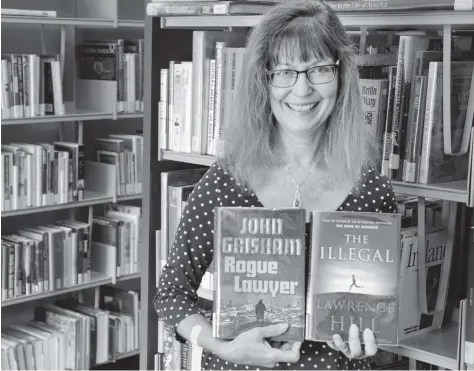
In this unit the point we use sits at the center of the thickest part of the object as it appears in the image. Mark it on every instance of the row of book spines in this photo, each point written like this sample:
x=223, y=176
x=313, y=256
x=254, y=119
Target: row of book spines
x=45, y=258
x=127, y=59
x=70, y=336
x=31, y=86
x=126, y=152
x=162, y=8
x=41, y=174
x=185, y=124
x=414, y=89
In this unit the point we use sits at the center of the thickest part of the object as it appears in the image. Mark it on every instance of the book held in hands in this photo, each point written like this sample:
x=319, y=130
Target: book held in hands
x=353, y=275
x=260, y=263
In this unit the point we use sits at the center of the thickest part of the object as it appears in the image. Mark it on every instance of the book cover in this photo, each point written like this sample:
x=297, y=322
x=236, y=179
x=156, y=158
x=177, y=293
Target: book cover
x=353, y=275
x=413, y=321
x=259, y=262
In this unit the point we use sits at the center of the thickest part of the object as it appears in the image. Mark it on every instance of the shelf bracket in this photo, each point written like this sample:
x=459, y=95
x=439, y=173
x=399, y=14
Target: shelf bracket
x=363, y=40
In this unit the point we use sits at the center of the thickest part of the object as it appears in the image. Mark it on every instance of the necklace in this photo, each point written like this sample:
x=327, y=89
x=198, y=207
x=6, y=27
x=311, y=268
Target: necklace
x=297, y=197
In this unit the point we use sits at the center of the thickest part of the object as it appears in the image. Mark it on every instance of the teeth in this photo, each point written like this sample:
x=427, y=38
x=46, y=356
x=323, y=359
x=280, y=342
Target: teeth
x=301, y=107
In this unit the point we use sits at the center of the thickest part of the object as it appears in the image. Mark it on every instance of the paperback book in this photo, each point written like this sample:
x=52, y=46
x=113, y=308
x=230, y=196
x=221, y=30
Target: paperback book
x=353, y=275
x=259, y=263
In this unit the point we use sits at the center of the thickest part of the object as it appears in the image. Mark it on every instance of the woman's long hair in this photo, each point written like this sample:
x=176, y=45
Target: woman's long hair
x=298, y=30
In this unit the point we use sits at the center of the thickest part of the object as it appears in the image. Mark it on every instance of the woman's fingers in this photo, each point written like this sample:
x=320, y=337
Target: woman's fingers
x=332, y=345
x=341, y=346
x=355, y=346
x=370, y=344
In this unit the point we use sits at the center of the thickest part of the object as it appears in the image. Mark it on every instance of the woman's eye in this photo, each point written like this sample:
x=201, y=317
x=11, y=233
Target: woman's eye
x=284, y=73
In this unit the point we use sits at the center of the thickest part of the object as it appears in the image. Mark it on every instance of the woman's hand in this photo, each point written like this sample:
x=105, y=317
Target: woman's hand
x=252, y=348
x=354, y=349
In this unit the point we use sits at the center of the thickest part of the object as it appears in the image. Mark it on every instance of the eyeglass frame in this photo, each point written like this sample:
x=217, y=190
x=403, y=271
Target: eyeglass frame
x=335, y=65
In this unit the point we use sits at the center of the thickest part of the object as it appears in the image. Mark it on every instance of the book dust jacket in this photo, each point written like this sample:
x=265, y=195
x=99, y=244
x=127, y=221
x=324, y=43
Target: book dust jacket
x=353, y=275
x=259, y=271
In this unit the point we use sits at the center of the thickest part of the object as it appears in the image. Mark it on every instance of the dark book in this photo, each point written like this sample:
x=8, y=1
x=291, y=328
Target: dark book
x=260, y=263
x=353, y=275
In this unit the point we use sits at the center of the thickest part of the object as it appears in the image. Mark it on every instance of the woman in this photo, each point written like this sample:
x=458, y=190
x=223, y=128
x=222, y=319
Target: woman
x=297, y=139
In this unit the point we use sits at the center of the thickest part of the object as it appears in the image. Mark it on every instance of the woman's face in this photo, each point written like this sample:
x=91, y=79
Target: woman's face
x=304, y=107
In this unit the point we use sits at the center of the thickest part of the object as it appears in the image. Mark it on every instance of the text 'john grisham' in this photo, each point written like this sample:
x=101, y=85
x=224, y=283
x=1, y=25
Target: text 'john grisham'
x=266, y=239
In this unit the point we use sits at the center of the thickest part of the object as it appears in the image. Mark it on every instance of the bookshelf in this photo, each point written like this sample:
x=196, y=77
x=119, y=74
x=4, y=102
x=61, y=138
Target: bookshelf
x=441, y=347
x=98, y=279
x=80, y=123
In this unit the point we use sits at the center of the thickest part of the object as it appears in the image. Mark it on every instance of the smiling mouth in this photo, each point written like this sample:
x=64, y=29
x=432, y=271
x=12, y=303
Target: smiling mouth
x=302, y=107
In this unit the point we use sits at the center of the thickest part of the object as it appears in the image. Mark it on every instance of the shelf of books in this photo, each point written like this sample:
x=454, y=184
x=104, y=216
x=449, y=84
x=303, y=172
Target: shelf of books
x=97, y=279
x=78, y=22
x=362, y=19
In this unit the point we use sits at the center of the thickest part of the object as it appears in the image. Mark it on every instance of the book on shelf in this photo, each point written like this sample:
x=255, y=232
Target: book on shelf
x=67, y=334
x=353, y=275
x=399, y=5
x=32, y=86
x=173, y=183
x=187, y=8
x=125, y=152
x=196, y=97
x=29, y=12
x=435, y=165
x=259, y=270
x=110, y=75
x=469, y=327
x=36, y=175
x=413, y=320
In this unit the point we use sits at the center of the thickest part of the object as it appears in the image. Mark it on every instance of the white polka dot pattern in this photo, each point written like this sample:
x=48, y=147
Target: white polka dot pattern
x=192, y=252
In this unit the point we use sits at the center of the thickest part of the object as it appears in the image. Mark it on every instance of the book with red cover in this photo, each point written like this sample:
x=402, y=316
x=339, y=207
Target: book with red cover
x=353, y=275
x=259, y=260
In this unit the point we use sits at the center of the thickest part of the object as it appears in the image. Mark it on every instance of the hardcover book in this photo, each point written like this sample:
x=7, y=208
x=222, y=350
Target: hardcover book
x=353, y=275
x=260, y=264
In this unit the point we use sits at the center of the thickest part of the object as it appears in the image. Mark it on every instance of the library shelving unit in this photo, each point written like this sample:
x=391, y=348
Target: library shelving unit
x=57, y=35
x=170, y=38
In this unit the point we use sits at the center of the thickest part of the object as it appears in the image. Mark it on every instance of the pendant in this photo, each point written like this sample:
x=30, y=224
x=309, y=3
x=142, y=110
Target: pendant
x=297, y=199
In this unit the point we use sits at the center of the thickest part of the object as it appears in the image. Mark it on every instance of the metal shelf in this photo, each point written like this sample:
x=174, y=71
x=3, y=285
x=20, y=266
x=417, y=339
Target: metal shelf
x=433, y=19
x=119, y=357
x=450, y=191
x=439, y=347
x=90, y=198
x=192, y=158
x=72, y=115
x=97, y=279
x=64, y=21
x=134, y=196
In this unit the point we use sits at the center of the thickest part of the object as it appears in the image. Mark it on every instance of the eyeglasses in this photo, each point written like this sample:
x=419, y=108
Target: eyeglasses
x=318, y=75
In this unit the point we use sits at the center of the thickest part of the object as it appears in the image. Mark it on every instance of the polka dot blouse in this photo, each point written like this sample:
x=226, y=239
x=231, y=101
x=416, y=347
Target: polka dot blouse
x=192, y=253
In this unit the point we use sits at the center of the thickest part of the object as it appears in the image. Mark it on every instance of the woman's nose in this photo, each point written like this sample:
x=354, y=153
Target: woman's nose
x=302, y=86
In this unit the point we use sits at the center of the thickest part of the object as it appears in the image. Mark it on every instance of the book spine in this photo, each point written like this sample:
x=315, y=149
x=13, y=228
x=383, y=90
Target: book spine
x=414, y=131
x=187, y=8
x=390, y=5
x=29, y=12
x=397, y=107
x=211, y=110
x=431, y=115
x=199, y=90
x=218, y=273
x=388, y=130
x=163, y=109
